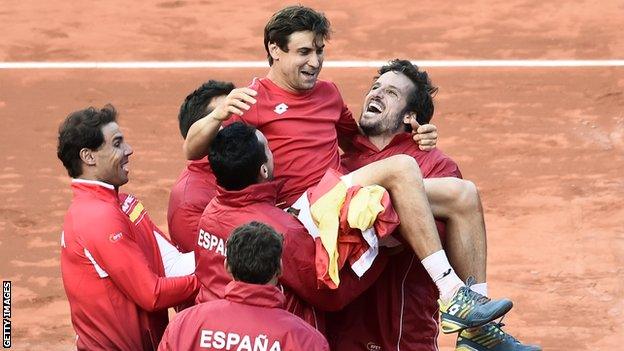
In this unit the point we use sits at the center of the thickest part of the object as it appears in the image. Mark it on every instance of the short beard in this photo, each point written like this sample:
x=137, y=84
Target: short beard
x=381, y=128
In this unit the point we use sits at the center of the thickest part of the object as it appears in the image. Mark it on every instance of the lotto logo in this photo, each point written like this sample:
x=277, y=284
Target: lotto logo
x=453, y=310
x=281, y=108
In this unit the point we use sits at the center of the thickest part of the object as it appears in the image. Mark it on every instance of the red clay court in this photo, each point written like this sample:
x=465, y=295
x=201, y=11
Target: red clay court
x=545, y=145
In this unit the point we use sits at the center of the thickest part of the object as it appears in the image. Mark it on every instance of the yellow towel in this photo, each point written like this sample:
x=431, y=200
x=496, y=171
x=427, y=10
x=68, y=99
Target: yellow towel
x=365, y=206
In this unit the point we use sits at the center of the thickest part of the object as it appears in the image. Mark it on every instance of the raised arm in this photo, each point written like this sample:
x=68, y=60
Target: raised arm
x=202, y=132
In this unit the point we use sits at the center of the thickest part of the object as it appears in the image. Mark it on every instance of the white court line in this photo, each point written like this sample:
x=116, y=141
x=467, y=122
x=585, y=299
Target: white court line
x=327, y=64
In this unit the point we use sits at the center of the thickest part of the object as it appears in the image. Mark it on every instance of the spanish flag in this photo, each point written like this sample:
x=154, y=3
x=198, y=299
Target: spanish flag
x=346, y=223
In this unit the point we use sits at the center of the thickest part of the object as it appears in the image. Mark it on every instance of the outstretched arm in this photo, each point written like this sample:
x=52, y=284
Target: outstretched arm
x=202, y=132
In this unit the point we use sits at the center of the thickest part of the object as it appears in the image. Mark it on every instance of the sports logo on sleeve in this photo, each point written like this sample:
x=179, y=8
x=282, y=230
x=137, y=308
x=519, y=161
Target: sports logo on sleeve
x=115, y=237
x=133, y=208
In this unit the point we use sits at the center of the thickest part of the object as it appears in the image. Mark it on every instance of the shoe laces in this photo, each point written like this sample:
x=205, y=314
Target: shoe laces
x=497, y=328
x=470, y=295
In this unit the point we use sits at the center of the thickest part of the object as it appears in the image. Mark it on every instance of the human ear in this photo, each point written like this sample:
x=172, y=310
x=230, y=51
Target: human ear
x=87, y=156
x=274, y=51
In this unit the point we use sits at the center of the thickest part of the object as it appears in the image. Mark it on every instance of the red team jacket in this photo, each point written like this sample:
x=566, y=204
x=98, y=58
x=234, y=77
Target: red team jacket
x=302, y=130
x=400, y=310
x=250, y=317
x=231, y=209
x=193, y=190
x=113, y=274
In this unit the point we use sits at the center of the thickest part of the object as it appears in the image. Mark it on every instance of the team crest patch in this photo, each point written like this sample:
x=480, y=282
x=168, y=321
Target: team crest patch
x=281, y=108
x=115, y=237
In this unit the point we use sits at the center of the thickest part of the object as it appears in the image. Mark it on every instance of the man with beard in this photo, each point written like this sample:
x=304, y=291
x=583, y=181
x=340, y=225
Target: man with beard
x=305, y=120
x=404, y=314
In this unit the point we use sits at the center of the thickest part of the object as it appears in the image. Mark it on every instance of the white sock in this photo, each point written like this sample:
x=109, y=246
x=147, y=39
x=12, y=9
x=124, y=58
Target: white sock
x=481, y=288
x=442, y=274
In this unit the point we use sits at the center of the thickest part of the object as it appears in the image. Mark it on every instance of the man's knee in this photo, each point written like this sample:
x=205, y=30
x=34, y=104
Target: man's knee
x=403, y=167
x=465, y=195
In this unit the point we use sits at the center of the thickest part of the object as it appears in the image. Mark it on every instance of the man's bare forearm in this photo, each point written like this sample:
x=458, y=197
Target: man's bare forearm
x=200, y=136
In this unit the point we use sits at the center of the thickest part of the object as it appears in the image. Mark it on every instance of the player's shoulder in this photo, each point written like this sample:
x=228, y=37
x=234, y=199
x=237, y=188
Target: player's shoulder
x=307, y=335
x=92, y=209
x=440, y=164
x=132, y=207
x=438, y=154
x=261, y=85
x=327, y=86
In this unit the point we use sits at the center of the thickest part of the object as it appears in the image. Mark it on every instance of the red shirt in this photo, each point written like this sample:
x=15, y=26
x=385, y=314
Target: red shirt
x=303, y=132
x=400, y=310
x=231, y=209
x=250, y=315
x=113, y=276
x=193, y=190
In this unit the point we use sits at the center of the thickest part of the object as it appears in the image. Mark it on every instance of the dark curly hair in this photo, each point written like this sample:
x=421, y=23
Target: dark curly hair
x=421, y=99
x=293, y=19
x=236, y=155
x=254, y=251
x=82, y=129
x=194, y=106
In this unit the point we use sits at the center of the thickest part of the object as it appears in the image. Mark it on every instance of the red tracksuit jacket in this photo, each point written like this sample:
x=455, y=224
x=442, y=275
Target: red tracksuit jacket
x=400, y=310
x=189, y=196
x=113, y=274
x=250, y=317
x=231, y=209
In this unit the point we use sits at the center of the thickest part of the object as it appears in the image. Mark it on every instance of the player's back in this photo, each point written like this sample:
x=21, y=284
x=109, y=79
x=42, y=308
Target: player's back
x=259, y=323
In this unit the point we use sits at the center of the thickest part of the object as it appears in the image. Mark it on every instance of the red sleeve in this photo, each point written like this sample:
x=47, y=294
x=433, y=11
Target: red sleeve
x=115, y=250
x=346, y=128
x=444, y=167
x=169, y=341
x=182, y=229
x=233, y=119
x=164, y=342
x=299, y=274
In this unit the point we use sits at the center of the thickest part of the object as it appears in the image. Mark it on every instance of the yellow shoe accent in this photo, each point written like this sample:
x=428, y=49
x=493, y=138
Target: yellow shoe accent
x=451, y=327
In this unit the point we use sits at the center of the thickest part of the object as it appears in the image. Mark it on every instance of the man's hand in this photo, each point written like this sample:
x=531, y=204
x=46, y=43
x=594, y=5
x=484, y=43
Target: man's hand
x=426, y=136
x=237, y=101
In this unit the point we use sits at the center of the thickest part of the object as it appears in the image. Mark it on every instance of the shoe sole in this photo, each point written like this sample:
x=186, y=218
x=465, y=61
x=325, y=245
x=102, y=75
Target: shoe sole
x=449, y=326
x=465, y=348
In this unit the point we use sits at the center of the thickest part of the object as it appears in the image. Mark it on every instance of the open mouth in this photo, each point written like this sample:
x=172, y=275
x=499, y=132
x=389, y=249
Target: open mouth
x=375, y=106
x=309, y=74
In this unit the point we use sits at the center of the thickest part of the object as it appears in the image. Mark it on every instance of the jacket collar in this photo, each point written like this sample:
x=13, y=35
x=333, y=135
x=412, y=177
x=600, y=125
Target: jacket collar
x=255, y=294
x=95, y=188
x=262, y=192
x=201, y=164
